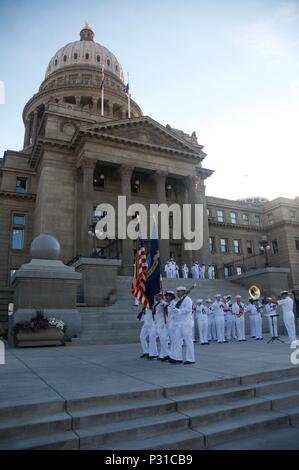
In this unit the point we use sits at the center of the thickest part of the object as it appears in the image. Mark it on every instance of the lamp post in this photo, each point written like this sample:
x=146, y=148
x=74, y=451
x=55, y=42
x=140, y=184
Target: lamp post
x=92, y=233
x=265, y=248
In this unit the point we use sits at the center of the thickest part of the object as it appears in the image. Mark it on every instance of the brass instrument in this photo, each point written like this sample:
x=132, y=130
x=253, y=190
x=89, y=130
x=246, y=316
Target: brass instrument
x=241, y=311
x=254, y=292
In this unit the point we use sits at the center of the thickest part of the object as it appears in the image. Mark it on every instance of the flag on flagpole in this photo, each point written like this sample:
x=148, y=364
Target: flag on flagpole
x=153, y=281
x=102, y=88
x=140, y=274
x=126, y=89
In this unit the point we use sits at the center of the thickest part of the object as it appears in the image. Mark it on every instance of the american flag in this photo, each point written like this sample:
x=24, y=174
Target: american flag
x=140, y=274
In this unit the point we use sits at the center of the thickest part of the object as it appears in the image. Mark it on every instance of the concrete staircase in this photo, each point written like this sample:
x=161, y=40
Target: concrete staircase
x=193, y=416
x=118, y=324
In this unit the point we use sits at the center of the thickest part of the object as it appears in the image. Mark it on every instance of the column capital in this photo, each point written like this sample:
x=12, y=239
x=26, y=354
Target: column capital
x=86, y=162
x=161, y=174
x=125, y=170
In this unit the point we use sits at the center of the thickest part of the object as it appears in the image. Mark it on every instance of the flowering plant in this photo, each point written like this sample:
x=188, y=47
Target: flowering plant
x=39, y=322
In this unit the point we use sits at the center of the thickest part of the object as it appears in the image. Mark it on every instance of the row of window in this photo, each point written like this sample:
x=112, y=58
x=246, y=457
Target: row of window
x=234, y=217
x=236, y=246
x=87, y=57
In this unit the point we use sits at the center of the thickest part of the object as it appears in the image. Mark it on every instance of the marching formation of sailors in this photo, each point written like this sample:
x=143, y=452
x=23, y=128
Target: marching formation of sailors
x=197, y=270
x=173, y=317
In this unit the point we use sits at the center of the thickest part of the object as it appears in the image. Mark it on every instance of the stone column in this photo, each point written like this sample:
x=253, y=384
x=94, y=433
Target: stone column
x=94, y=106
x=127, y=247
x=34, y=126
x=196, y=195
x=27, y=133
x=123, y=113
x=110, y=109
x=187, y=255
x=160, y=179
x=88, y=167
x=78, y=100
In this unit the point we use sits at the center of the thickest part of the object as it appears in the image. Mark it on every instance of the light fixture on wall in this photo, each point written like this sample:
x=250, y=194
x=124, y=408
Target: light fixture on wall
x=137, y=182
x=102, y=176
x=169, y=187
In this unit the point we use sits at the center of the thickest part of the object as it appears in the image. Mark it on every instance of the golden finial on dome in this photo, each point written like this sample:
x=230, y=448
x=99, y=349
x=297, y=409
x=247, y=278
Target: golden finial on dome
x=86, y=34
x=87, y=25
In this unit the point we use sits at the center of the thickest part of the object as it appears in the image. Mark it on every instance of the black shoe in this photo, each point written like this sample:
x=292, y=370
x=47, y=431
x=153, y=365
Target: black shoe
x=159, y=359
x=143, y=355
x=261, y=338
x=164, y=359
x=189, y=362
x=172, y=361
x=152, y=357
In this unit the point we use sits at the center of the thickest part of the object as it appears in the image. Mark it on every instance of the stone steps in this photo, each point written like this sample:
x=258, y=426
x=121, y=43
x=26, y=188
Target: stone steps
x=189, y=416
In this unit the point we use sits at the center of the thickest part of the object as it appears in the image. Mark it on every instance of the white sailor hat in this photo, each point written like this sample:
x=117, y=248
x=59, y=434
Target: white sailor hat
x=209, y=300
x=269, y=298
x=217, y=295
x=284, y=292
x=199, y=301
x=170, y=292
x=238, y=297
x=181, y=288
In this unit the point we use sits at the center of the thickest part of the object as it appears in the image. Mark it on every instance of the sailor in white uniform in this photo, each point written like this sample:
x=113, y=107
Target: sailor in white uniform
x=218, y=307
x=238, y=310
x=159, y=330
x=228, y=317
x=251, y=318
x=210, y=272
x=185, y=271
x=212, y=334
x=287, y=305
x=171, y=320
x=147, y=318
x=167, y=270
x=183, y=312
x=195, y=271
x=176, y=271
x=272, y=319
x=201, y=316
x=203, y=271
x=254, y=309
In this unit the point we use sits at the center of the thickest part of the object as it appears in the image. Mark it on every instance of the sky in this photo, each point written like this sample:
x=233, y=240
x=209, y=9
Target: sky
x=228, y=70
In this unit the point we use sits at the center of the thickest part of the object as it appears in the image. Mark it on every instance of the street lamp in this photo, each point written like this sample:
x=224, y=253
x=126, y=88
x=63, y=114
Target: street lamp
x=265, y=247
x=92, y=232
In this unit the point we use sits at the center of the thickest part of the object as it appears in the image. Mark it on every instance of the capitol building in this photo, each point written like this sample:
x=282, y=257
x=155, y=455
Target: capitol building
x=80, y=151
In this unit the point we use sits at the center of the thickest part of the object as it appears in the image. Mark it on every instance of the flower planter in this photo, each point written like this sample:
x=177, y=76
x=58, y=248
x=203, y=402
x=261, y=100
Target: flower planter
x=48, y=337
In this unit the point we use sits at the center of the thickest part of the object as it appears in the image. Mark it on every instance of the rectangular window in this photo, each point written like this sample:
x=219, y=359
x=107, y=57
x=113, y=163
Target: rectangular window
x=297, y=243
x=135, y=185
x=17, y=239
x=223, y=245
x=227, y=271
x=274, y=247
x=220, y=216
x=233, y=217
x=237, y=247
x=18, y=219
x=21, y=185
x=245, y=219
x=293, y=215
x=258, y=220
x=270, y=219
x=209, y=213
x=249, y=246
x=212, y=244
x=239, y=270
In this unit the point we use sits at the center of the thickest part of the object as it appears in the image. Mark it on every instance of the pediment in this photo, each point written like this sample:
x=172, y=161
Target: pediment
x=144, y=131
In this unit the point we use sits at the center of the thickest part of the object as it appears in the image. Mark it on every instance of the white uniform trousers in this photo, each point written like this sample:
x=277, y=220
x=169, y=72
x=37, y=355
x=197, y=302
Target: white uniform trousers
x=273, y=331
x=220, y=328
x=229, y=325
x=212, y=334
x=152, y=349
x=185, y=275
x=144, y=338
x=252, y=325
x=234, y=327
x=172, y=326
x=240, y=325
x=289, y=321
x=163, y=337
x=203, y=328
x=258, y=326
x=184, y=331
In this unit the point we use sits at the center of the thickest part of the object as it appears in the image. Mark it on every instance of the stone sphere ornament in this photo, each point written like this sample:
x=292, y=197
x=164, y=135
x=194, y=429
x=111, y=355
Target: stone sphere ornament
x=45, y=247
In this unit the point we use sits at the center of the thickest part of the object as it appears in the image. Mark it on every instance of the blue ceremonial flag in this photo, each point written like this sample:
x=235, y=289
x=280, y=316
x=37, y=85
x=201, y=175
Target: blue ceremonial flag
x=127, y=88
x=153, y=282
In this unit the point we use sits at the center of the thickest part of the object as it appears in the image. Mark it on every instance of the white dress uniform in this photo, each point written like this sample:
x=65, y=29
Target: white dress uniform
x=176, y=271
x=228, y=318
x=218, y=306
x=251, y=320
x=203, y=271
x=171, y=270
x=147, y=319
x=201, y=315
x=172, y=327
x=287, y=305
x=212, y=333
x=194, y=271
x=270, y=311
x=184, y=330
x=159, y=330
x=253, y=310
x=167, y=270
x=185, y=271
x=240, y=320
x=210, y=272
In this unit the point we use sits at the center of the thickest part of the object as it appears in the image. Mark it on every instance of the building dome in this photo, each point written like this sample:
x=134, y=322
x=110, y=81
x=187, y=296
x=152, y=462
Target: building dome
x=85, y=52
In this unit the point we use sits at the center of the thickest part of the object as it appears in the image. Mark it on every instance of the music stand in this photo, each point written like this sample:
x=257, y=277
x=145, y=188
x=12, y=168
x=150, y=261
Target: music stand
x=274, y=338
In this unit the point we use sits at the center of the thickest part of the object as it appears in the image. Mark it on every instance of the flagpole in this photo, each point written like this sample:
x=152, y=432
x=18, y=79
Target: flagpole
x=129, y=100
x=102, y=99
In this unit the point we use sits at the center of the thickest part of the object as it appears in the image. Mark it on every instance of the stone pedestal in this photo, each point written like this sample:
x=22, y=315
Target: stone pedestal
x=49, y=285
x=98, y=280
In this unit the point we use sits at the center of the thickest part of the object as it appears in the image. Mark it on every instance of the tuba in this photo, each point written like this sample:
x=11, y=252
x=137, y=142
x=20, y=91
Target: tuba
x=254, y=292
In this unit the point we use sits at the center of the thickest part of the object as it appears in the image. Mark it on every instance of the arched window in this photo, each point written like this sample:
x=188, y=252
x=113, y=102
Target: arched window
x=75, y=56
x=108, y=62
x=98, y=58
x=86, y=56
x=116, y=68
x=64, y=58
x=55, y=61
